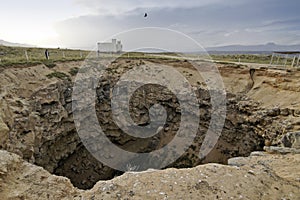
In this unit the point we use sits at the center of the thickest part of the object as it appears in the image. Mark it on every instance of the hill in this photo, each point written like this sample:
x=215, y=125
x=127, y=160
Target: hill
x=11, y=44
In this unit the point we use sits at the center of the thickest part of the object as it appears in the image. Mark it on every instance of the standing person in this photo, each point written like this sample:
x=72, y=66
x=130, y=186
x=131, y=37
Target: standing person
x=47, y=54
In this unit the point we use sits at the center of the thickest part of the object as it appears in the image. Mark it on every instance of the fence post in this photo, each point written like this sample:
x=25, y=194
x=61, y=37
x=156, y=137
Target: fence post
x=298, y=61
x=63, y=54
x=271, y=62
x=293, y=61
x=26, y=55
x=277, y=59
x=285, y=62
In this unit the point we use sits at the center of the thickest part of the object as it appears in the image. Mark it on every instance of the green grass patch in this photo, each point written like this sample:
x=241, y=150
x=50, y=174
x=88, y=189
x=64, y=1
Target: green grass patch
x=59, y=75
x=74, y=71
x=49, y=63
x=247, y=58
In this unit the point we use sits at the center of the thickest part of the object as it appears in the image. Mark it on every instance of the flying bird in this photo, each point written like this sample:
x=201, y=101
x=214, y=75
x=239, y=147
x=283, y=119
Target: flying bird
x=146, y=15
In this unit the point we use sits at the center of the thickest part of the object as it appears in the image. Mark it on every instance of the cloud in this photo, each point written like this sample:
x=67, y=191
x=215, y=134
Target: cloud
x=209, y=22
x=116, y=7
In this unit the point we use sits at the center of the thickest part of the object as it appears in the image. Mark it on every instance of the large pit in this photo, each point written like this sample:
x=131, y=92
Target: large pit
x=44, y=133
x=67, y=156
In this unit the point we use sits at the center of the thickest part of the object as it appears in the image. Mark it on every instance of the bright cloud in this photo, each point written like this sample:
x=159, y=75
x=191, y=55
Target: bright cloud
x=81, y=23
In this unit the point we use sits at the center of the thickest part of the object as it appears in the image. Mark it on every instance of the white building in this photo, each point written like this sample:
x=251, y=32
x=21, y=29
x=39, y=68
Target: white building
x=110, y=47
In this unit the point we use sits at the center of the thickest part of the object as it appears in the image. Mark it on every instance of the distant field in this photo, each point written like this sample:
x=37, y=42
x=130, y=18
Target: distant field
x=16, y=56
x=248, y=58
x=11, y=56
x=263, y=59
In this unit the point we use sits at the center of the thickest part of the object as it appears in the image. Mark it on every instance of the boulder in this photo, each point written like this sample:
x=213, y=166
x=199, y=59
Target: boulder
x=291, y=140
x=238, y=161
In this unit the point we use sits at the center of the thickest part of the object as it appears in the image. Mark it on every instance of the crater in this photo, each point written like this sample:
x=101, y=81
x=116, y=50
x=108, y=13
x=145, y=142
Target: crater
x=65, y=154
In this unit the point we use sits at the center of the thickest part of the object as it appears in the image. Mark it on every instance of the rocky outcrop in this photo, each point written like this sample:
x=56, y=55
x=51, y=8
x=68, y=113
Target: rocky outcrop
x=290, y=144
x=22, y=180
x=262, y=177
x=281, y=150
x=291, y=140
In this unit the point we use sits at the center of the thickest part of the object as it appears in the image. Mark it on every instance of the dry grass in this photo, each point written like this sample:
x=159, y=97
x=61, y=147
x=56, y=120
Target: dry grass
x=15, y=56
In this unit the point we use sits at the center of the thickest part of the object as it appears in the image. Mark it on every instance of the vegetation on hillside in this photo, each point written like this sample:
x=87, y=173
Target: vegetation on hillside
x=59, y=75
x=22, y=56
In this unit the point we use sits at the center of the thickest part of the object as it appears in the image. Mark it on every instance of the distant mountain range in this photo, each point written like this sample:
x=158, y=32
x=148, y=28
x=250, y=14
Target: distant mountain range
x=11, y=44
x=256, y=48
x=269, y=47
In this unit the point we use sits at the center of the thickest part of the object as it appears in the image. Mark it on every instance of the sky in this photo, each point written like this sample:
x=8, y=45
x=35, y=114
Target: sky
x=83, y=23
